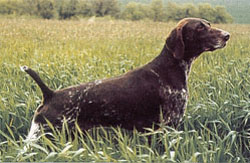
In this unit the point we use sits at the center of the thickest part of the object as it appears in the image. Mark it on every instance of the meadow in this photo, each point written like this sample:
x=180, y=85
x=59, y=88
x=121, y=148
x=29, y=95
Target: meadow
x=216, y=126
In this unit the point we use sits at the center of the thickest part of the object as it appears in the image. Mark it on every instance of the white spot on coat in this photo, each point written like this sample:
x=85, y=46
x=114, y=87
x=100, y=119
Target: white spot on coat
x=34, y=130
x=97, y=82
x=153, y=71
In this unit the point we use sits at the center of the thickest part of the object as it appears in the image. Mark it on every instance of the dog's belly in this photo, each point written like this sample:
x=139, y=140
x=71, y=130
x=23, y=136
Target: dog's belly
x=136, y=110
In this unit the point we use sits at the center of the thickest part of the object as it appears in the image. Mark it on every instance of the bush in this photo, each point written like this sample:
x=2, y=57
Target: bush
x=218, y=14
x=222, y=15
x=105, y=7
x=174, y=12
x=67, y=8
x=84, y=9
x=136, y=11
x=156, y=11
x=13, y=7
x=45, y=9
x=215, y=15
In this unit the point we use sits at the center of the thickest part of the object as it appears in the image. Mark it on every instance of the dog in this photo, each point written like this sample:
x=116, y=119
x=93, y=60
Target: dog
x=136, y=99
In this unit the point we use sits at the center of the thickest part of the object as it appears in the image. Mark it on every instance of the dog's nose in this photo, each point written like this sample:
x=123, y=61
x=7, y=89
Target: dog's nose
x=226, y=36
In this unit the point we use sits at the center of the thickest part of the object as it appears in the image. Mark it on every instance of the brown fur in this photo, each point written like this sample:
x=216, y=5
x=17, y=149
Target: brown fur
x=137, y=98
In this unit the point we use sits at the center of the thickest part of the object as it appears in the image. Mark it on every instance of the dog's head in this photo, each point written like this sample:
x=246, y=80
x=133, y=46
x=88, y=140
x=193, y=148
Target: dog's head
x=192, y=36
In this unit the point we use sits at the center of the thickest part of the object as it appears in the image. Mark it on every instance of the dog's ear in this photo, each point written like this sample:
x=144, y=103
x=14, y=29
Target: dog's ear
x=175, y=42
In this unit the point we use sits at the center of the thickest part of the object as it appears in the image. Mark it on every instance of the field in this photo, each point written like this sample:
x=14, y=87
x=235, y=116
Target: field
x=216, y=126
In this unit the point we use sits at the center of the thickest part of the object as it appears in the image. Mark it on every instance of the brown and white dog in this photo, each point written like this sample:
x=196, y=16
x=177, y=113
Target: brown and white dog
x=137, y=98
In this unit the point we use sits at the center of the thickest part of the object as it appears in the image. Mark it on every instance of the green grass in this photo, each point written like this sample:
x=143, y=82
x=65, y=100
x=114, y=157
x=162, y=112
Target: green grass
x=216, y=126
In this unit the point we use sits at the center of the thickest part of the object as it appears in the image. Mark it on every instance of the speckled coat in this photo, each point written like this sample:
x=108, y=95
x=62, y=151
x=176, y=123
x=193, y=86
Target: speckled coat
x=137, y=98
x=131, y=100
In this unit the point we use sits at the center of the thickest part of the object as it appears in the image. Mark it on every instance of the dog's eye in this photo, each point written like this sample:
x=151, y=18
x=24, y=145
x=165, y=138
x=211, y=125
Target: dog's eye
x=201, y=27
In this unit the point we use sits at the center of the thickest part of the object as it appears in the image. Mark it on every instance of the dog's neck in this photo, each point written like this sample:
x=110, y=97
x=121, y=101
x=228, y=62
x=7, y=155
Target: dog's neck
x=175, y=70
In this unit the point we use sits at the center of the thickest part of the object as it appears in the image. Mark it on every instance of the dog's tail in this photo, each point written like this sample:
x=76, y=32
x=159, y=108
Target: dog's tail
x=47, y=92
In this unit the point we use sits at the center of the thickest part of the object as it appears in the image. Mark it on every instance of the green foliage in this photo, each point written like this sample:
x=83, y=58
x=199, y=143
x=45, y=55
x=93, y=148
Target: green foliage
x=105, y=7
x=45, y=9
x=84, y=9
x=206, y=11
x=62, y=9
x=218, y=14
x=136, y=11
x=156, y=10
x=222, y=16
x=12, y=7
x=64, y=53
x=239, y=9
x=30, y=7
x=71, y=8
x=67, y=8
x=7, y=7
x=175, y=12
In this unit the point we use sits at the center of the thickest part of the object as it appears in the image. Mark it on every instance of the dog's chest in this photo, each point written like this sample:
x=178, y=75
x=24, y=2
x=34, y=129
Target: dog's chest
x=174, y=104
x=174, y=101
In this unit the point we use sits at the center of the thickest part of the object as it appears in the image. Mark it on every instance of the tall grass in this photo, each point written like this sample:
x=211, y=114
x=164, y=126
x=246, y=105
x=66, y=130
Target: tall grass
x=216, y=123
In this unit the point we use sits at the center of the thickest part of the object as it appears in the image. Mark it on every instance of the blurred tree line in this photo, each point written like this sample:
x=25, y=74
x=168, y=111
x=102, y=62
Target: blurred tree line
x=156, y=10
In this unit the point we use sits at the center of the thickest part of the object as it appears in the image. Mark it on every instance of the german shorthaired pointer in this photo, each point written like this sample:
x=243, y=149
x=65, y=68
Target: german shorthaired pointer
x=137, y=98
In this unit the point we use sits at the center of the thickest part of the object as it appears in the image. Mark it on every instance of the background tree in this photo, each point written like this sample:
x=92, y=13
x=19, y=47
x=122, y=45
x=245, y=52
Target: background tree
x=206, y=11
x=136, y=11
x=9, y=7
x=67, y=9
x=222, y=16
x=84, y=9
x=174, y=12
x=157, y=10
x=30, y=7
x=45, y=9
x=218, y=14
x=105, y=7
x=190, y=10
